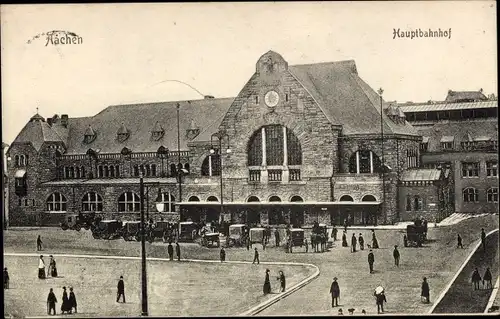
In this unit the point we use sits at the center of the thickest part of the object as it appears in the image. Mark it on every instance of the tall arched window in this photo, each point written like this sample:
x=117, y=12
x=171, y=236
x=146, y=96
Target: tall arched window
x=418, y=203
x=82, y=172
x=346, y=198
x=168, y=201
x=253, y=199
x=492, y=195
x=470, y=195
x=274, y=145
x=211, y=165
x=173, y=170
x=92, y=202
x=153, y=170
x=117, y=170
x=56, y=203
x=100, y=171
x=129, y=202
x=106, y=171
x=364, y=162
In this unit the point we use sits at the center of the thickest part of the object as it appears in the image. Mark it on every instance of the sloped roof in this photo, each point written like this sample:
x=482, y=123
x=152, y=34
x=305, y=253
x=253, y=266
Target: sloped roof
x=460, y=131
x=457, y=96
x=36, y=132
x=414, y=175
x=138, y=120
x=346, y=99
x=449, y=106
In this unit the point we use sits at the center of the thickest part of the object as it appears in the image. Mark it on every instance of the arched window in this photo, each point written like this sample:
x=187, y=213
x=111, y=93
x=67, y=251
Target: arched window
x=22, y=161
x=148, y=170
x=418, y=203
x=168, y=201
x=492, y=195
x=296, y=199
x=117, y=170
x=56, y=203
x=100, y=172
x=129, y=202
x=212, y=199
x=408, y=203
x=470, y=195
x=136, y=170
x=253, y=199
x=211, y=165
x=173, y=170
x=153, y=170
x=368, y=198
x=106, y=171
x=193, y=199
x=92, y=202
x=16, y=160
x=346, y=198
x=77, y=172
x=82, y=172
x=274, y=199
x=364, y=162
x=111, y=171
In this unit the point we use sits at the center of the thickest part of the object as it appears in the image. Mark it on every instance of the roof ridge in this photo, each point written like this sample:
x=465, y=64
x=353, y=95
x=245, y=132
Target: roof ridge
x=325, y=62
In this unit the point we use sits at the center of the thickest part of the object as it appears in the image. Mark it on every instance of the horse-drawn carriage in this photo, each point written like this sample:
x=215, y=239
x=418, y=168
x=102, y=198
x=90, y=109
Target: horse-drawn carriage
x=237, y=235
x=297, y=237
x=162, y=230
x=257, y=235
x=209, y=237
x=415, y=236
x=77, y=221
x=188, y=231
x=319, y=237
x=131, y=230
x=107, y=229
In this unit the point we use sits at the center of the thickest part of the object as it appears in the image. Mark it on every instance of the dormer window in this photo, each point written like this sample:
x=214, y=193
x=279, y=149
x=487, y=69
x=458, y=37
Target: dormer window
x=123, y=134
x=21, y=160
x=392, y=113
x=89, y=135
x=192, y=131
x=157, y=132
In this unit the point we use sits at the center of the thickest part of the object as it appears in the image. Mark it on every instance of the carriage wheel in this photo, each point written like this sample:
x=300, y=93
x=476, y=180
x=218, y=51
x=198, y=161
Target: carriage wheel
x=64, y=226
x=87, y=227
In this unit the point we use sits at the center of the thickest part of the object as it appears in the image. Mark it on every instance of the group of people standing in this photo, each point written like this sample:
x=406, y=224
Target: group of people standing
x=267, y=282
x=486, y=279
x=51, y=270
x=360, y=240
x=68, y=302
x=170, y=251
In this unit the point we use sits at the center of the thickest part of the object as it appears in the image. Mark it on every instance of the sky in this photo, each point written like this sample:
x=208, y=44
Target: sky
x=127, y=50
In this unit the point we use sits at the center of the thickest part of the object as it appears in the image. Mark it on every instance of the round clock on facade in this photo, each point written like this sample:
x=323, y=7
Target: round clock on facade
x=271, y=98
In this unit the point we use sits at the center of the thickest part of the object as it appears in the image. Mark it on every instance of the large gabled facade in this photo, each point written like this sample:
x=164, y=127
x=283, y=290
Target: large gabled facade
x=305, y=145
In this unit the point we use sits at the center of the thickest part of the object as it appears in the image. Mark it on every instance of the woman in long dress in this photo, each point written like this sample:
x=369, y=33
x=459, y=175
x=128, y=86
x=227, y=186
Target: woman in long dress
x=344, y=240
x=374, y=240
x=52, y=267
x=282, y=280
x=41, y=268
x=267, y=284
x=66, y=306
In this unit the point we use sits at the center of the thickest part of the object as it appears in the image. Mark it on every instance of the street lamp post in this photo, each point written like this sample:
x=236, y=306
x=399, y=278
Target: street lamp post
x=380, y=92
x=220, y=135
x=179, y=165
x=144, y=281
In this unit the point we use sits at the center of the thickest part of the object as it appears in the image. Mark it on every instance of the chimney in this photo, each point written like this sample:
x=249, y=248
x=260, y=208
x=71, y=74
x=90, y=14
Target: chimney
x=64, y=120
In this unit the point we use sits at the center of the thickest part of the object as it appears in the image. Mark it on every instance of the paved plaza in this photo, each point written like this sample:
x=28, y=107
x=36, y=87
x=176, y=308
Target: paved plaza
x=438, y=260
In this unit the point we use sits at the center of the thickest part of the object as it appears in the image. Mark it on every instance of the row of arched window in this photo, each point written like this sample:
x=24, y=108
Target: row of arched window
x=250, y=199
x=414, y=203
x=74, y=172
x=92, y=202
x=471, y=195
x=21, y=160
x=108, y=171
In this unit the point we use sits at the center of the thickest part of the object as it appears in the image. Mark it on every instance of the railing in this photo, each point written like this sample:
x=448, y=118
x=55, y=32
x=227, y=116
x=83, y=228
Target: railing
x=275, y=175
x=254, y=175
x=294, y=174
x=487, y=146
x=118, y=155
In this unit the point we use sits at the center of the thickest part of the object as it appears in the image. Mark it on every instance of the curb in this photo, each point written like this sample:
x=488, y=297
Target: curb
x=493, y=296
x=252, y=311
x=448, y=286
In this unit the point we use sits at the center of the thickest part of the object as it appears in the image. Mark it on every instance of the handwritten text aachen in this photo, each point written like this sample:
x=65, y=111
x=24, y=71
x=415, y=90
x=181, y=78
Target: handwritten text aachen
x=419, y=33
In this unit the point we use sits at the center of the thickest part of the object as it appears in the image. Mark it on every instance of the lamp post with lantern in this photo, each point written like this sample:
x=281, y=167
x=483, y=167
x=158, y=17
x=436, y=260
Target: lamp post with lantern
x=220, y=136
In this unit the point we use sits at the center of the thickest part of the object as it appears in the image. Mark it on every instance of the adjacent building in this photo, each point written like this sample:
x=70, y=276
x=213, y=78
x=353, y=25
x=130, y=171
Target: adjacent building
x=298, y=144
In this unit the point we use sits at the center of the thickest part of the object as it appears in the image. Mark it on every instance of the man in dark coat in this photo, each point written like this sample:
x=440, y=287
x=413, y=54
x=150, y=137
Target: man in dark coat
x=39, y=243
x=361, y=242
x=51, y=302
x=344, y=240
x=396, y=255
x=65, y=307
x=267, y=283
x=178, y=251
x=5, y=278
x=425, y=290
x=380, y=299
x=222, y=255
x=256, y=256
x=476, y=278
x=335, y=292
x=353, y=243
x=483, y=239
x=459, y=241
x=371, y=260
x=72, y=299
x=120, y=290
x=487, y=278
x=170, y=250
x=277, y=237
x=334, y=233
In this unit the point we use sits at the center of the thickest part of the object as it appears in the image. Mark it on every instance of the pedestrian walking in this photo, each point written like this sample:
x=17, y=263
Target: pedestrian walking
x=52, y=267
x=459, y=241
x=120, y=290
x=267, y=284
x=374, y=240
x=39, y=243
x=335, y=292
x=476, y=278
x=277, y=237
x=72, y=300
x=380, y=299
x=344, y=239
x=396, y=255
x=41, y=268
x=65, y=306
x=334, y=233
x=281, y=278
x=487, y=277
x=170, y=250
x=353, y=243
x=178, y=251
x=345, y=225
x=51, y=302
x=361, y=241
x=256, y=256
x=483, y=239
x=425, y=291
x=306, y=244
x=5, y=278
x=222, y=255
x=371, y=260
